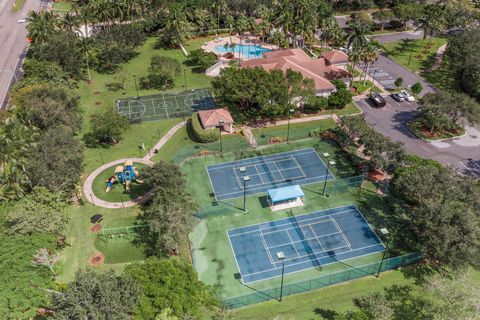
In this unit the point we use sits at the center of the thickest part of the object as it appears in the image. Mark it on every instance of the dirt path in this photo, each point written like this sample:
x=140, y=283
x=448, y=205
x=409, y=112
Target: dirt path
x=87, y=186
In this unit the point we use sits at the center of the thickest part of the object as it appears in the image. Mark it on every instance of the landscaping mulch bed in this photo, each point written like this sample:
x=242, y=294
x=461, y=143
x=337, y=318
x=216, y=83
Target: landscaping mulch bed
x=96, y=227
x=97, y=259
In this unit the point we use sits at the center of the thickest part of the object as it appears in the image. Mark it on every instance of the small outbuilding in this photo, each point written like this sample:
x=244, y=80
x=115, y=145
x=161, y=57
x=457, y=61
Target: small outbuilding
x=216, y=118
x=285, y=197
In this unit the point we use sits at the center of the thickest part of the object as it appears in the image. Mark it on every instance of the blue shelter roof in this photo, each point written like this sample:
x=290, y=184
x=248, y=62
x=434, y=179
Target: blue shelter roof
x=285, y=193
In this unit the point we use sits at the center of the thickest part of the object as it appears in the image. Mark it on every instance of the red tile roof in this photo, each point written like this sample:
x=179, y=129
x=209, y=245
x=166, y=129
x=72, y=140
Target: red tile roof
x=211, y=118
x=335, y=56
x=298, y=60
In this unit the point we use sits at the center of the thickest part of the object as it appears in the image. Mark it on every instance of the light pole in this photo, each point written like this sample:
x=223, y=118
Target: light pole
x=245, y=180
x=220, y=125
x=385, y=233
x=136, y=87
x=290, y=111
x=185, y=77
x=330, y=163
x=373, y=78
x=281, y=257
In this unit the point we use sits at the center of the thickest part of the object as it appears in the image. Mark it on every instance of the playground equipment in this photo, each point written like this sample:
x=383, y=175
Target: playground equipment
x=127, y=232
x=124, y=175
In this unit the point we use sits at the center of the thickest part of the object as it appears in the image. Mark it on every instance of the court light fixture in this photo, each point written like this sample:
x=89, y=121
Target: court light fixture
x=245, y=180
x=281, y=257
x=290, y=111
x=329, y=163
x=220, y=125
x=384, y=232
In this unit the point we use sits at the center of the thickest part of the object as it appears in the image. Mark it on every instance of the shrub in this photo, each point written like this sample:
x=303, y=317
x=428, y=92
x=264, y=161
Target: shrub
x=107, y=127
x=199, y=133
x=315, y=104
x=417, y=88
x=203, y=60
x=399, y=82
x=161, y=74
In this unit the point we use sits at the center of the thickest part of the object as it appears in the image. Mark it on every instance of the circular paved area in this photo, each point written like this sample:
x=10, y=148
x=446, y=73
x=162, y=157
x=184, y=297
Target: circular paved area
x=87, y=186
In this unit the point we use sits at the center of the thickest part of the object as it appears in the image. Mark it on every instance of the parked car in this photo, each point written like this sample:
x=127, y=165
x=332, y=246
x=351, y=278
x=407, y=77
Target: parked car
x=377, y=100
x=399, y=97
x=407, y=95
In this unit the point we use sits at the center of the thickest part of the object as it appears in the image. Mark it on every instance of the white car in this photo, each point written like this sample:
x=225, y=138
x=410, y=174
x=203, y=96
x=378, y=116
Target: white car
x=22, y=20
x=408, y=97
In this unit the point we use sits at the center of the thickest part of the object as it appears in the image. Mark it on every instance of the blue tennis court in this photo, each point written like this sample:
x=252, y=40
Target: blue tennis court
x=303, y=166
x=308, y=241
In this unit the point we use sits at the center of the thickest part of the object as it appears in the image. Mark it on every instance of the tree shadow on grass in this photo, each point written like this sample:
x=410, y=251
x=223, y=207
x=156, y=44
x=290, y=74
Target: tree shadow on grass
x=326, y=314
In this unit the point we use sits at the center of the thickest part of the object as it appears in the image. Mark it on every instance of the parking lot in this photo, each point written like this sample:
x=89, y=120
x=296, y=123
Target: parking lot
x=469, y=167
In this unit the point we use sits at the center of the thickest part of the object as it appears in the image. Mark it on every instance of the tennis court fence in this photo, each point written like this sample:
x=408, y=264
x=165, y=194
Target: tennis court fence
x=232, y=206
x=322, y=281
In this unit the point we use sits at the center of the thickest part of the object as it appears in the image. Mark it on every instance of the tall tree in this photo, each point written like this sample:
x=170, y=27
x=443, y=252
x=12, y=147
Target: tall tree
x=41, y=25
x=173, y=284
x=177, y=27
x=96, y=295
x=90, y=53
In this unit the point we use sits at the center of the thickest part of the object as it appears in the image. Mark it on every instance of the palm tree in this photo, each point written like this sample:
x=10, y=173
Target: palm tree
x=285, y=18
x=356, y=37
x=41, y=25
x=230, y=22
x=241, y=26
x=370, y=55
x=177, y=28
x=69, y=21
x=90, y=52
x=16, y=141
x=220, y=7
x=355, y=56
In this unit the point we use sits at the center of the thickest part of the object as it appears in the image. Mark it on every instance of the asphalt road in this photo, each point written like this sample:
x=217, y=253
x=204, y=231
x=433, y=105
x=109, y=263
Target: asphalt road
x=463, y=153
x=13, y=43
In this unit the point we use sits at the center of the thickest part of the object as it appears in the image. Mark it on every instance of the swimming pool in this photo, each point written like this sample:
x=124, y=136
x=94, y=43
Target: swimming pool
x=245, y=51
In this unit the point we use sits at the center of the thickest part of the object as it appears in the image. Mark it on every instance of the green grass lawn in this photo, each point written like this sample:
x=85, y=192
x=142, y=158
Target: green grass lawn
x=18, y=5
x=61, y=6
x=181, y=146
x=81, y=241
x=297, y=130
x=148, y=132
x=442, y=78
x=118, y=193
x=399, y=51
x=96, y=97
x=361, y=88
x=324, y=303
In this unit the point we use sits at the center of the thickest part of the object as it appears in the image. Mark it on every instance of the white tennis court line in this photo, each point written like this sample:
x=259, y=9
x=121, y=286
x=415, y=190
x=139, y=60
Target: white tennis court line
x=259, y=159
x=318, y=240
x=307, y=261
x=342, y=234
x=296, y=218
x=302, y=182
x=265, y=247
x=291, y=241
x=299, y=166
x=153, y=107
x=233, y=252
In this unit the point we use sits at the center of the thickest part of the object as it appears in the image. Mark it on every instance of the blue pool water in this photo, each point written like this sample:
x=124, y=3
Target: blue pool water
x=245, y=51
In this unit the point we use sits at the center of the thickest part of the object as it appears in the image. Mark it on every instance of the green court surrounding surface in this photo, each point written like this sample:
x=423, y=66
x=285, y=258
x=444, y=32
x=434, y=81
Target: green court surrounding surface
x=211, y=251
x=118, y=193
x=297, y=131
x=165, y=105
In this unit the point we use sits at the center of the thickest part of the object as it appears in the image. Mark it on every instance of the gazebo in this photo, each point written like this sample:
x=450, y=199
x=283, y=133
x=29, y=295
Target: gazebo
x=285, y=197
x=216, y=118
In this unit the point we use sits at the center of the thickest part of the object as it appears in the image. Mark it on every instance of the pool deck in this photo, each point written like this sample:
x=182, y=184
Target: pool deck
x=221, y=41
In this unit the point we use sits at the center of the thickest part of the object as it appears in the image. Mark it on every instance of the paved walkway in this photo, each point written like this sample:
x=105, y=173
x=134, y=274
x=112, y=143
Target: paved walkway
x=87, y=186
x=439, y=57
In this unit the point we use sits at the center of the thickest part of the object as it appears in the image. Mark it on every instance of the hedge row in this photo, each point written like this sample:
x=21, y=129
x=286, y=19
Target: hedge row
x=200, y=134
